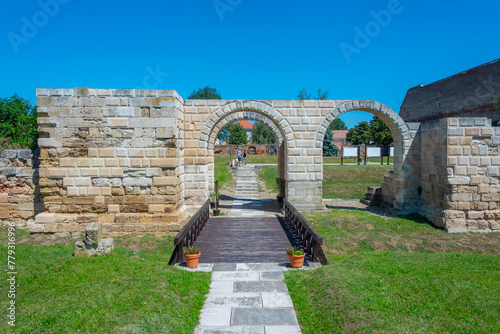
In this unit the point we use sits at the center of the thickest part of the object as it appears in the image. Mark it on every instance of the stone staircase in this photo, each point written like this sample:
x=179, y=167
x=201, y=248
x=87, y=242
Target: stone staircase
x=246, y=182
x=373, y=196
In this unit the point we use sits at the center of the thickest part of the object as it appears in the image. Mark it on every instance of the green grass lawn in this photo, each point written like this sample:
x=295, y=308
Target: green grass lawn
x=131, y=291
x=398, y=275
x=352, y=181
x=222, y=172
x=339, y=181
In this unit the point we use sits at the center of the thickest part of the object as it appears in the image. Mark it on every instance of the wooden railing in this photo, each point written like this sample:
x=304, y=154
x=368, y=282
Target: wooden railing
x=310, y=238
x=189, y=233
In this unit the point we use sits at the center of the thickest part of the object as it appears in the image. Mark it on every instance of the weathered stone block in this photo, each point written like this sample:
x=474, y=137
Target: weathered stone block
x=45, y=218
x=93, y=234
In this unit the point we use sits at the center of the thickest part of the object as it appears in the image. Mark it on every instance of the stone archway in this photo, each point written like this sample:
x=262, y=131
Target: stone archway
x=401, y=176
x=248, y=110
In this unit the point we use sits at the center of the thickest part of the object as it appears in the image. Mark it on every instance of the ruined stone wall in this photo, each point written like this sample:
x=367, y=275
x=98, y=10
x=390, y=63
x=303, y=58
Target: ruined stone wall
x=19, y=192
x=459, y=174
x=434, y=189
x=143, y=160
x=112, y=156
x=468, y=94
x=473, y=168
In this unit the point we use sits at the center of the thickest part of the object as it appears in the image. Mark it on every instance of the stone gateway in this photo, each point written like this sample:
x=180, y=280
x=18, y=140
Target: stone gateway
x=142, y=161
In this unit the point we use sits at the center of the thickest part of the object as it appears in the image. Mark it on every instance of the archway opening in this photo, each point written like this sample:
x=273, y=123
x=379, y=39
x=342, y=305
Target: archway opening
x=374, y=132
x=265, y=149
x=357, y=153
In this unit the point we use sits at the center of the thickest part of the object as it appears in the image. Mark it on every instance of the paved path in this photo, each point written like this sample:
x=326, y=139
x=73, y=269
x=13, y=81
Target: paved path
x=249, y=299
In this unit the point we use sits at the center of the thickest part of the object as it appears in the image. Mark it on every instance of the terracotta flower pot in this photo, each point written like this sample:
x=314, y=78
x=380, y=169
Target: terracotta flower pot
x=297, y=261
x=216, y=212
x=192, y=260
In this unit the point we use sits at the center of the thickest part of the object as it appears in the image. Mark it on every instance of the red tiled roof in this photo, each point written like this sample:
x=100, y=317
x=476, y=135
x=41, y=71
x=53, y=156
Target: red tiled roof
x=246, y=125
x=339, y=134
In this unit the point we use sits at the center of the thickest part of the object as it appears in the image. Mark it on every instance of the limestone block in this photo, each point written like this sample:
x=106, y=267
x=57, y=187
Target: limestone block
x=165, y=181
x=106, y=191
x=125, y=111
x=37, y=228
x=164, y=162
x=90, y=172
x=93, y=234
x=156, y=208
x=112, y=162
x=137, y=182
x=68, y=162
x=136, y=152
x=105, y=247
x=113, y=208
x=45, y=218
x=118, y=122
x=4, y=198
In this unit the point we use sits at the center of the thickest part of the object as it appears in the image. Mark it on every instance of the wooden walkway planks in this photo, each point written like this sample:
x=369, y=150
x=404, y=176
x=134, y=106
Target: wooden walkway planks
x=244, y=240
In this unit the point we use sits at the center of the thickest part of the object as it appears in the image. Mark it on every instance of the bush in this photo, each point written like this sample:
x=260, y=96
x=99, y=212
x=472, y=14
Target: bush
x=18, y=123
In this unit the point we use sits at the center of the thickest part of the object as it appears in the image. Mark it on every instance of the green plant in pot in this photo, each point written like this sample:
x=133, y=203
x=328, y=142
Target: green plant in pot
x=192, y=256
x=215, y=197
x=296, y=257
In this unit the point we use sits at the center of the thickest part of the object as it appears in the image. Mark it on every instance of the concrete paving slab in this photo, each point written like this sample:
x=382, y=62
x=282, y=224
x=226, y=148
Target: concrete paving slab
x=271, y=276
x=258, y=267
x=235, y=300
x=215, y=316
x=263, y=316
x=276, y=300
x=245, y=286
x=230, y=330
x=282, y=330
x=202, y=267
x=224, y=267
x=235, y=276
x=221, y=287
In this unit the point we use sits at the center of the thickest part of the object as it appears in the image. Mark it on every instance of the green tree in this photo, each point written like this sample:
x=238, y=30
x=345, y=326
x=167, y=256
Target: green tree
x=337, y=124
x=237, y=135
x=209, y=93
x=329, y=150
x=359, y=134
x=379, y=132
x=205, y=93
x=18, y=122
x=304, y=95
x=261, y=134
x=223, y=135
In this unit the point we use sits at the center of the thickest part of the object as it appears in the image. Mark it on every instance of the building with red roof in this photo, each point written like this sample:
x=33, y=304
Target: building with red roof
x=248, y=128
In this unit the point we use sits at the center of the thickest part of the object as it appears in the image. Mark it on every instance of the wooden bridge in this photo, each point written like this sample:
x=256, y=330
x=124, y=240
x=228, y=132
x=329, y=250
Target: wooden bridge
x=248, y=239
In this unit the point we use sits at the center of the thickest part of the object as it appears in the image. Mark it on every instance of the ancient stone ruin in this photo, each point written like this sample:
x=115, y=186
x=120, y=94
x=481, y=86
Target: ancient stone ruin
x=142, y=161
x=93, y=243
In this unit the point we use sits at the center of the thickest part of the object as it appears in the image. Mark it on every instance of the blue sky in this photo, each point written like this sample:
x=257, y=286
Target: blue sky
x=246, y=49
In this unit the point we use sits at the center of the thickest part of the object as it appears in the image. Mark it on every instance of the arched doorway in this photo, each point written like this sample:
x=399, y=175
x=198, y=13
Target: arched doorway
x=248, y=110
x=405, y=185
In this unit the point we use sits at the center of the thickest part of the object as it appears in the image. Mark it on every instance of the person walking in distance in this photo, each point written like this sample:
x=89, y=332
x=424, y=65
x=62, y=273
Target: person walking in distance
x=245, y=157
x=239, y=157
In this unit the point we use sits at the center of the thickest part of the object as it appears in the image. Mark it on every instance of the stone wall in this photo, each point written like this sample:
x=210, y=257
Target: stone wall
x=20, y=197
x=112, y=156
x=473, y=163
x=468, y=94
x=143, y=160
